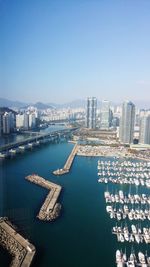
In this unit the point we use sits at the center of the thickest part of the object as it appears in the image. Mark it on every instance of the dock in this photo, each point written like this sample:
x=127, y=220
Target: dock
x=68, y=163
x=50, y=209
x=137, y=238
x=21, y=250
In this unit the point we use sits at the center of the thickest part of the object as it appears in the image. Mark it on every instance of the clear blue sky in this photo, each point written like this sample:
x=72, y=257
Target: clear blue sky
x=57, y=51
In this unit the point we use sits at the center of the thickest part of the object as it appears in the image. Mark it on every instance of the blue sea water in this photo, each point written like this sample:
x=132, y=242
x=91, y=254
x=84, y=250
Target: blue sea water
x=81, y=236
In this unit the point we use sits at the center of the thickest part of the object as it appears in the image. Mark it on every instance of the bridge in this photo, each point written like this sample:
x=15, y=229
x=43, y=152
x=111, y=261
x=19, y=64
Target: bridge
x=38, y=137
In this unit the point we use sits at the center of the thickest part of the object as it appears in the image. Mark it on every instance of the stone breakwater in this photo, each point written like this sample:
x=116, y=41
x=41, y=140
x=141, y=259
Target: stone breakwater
x=50, y=209
x=20, y=249
x=68, y=163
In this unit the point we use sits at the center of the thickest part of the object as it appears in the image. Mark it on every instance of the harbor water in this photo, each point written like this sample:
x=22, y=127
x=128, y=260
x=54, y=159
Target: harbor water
x=81, y=236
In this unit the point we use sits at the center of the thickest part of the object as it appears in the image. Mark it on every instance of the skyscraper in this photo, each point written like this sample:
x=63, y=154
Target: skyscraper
x=6, y=123
x=26, y=121
x=105, y=115
x=127, y=122
x=91, y=112
x=19, y=121
x=32, y=121
x=1, y=124
x=144, y=137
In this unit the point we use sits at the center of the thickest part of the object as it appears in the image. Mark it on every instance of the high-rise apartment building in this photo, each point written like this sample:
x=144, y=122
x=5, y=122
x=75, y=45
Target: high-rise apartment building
x=1, y=124
x=6, y=123
x=127, y=123
x=19, y=121
x=32, y=121
x=91, y=112
x=105, y=115
x=144, y=137
x=26, y=121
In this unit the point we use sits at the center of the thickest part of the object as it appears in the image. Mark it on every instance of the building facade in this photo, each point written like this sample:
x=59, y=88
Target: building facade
x=127, y=120
x=91, y=112
x=6, y=123
x=144, y=136
x=105, y=115
x=19, y=121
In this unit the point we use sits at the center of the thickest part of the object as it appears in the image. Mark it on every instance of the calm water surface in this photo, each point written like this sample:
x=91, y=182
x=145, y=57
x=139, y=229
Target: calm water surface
x=81, y=237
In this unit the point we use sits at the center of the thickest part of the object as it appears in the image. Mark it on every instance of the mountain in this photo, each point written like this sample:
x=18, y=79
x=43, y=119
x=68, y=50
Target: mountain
x=40, y=105
x=17, y=104
x=9, y=103
x=142, y=104
x=5, y=109
x=79, y=103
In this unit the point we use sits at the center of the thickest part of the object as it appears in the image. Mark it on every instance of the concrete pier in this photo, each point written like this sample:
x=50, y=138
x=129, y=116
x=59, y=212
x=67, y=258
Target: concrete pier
x=21, y=250
x=50, y=210
x=68, y=163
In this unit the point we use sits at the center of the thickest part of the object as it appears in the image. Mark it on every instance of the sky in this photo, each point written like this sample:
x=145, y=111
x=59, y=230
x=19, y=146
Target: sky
x=58, y=51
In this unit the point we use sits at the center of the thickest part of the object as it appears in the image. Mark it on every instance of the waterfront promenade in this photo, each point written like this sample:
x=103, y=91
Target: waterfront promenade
x=68, y=163
x=110, y=151
x=99, y=151
x=50, y=209
x=20, y=249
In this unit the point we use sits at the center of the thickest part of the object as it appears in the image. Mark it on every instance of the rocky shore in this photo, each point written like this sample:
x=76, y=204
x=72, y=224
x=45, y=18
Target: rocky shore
x=20, y=249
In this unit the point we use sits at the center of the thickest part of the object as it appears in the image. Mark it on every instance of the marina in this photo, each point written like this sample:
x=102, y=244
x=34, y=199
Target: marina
x=133, y=260
x=50, y=210
x=124, y=172
x=126, y=213
x=21, y=250
x=127, y=206
x=120, y=197
x=133, y=234
x=83, y=200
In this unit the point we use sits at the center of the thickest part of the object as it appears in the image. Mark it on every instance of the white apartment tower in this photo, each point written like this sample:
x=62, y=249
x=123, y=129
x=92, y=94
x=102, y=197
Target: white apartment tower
x=19, y=121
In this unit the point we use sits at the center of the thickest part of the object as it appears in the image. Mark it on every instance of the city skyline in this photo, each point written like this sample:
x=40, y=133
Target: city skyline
x=68, y=50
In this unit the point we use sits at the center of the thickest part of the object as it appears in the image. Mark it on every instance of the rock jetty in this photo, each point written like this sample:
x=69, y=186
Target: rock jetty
x=50, y=209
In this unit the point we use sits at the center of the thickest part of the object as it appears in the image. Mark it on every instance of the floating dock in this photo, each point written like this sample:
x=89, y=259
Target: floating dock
x=19, y=248
x=68, y=163
x=50, y=210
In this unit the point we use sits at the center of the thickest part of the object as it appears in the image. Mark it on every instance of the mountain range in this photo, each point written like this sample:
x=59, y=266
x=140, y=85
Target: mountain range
x=79, y=103
x=39, y=105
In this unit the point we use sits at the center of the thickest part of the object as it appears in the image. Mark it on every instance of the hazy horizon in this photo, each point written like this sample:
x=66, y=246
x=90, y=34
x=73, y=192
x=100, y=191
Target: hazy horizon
x=58, y=51
x=139, y=104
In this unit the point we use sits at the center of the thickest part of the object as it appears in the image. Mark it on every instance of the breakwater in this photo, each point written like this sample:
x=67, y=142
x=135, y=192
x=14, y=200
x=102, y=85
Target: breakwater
x=50, y=209
x=20, y=249
x=68, y=163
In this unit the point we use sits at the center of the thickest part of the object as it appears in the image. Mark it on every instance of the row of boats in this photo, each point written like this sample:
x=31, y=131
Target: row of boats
x=126, y=213
x=135, y=234
x=124, y=163
x=120, y=171
x=120, y=197
x=124, y=174
x=128, y=181
x=133, y=260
